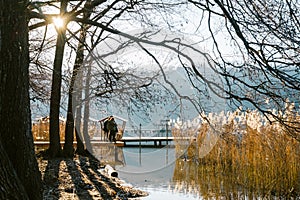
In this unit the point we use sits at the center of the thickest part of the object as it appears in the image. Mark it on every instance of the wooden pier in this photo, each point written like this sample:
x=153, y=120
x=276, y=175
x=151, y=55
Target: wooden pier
x=44, y=144
x=147, y=141
x=157, y=141
x=129, y=141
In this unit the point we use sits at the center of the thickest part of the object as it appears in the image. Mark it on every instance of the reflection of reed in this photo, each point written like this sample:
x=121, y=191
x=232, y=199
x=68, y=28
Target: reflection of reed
x=258, y=162
x=205, y=181
x=109, y=154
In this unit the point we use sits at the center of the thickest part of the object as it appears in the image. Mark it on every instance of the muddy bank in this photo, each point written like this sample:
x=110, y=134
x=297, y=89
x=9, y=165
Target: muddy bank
x=82, y=178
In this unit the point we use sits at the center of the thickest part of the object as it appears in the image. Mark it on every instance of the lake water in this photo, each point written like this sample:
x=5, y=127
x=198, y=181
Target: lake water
x=166, y=174
x=152, y=170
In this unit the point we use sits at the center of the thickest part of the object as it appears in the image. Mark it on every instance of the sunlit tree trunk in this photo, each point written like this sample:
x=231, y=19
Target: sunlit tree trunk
x=19, y=173
x=55, y=148
x=69, y=132
x=68, y=147
x=78, y=113
x=86, y=116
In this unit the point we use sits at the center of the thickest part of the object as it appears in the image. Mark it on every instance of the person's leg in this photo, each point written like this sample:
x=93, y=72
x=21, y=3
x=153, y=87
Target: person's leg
x=109, y=135
x=114, y=136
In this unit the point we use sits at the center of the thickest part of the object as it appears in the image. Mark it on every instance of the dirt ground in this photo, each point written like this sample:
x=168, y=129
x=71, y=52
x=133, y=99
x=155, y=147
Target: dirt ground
x=82, y=178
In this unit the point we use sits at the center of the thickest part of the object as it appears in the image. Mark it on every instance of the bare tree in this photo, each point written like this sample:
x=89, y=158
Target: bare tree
x=69, y=132
x=54, y=132
x=105, y=15
x=265, y=34
x=261, y=72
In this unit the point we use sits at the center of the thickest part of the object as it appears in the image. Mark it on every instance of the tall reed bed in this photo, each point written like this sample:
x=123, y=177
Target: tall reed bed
x=41, y=127
x=258, y=157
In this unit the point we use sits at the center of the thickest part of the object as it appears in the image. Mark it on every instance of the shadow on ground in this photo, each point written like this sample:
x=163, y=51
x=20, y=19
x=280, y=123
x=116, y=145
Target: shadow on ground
x=81, y=178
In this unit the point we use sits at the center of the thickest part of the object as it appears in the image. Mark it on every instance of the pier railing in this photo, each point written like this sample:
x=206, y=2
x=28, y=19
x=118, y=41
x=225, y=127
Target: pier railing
x=146, y=133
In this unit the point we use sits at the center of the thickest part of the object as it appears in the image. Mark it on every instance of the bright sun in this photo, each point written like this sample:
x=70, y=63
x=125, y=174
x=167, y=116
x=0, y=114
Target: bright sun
x=58, y=22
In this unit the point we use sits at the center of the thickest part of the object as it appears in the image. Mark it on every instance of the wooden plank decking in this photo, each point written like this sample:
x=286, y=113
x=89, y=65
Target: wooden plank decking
x=125, y=141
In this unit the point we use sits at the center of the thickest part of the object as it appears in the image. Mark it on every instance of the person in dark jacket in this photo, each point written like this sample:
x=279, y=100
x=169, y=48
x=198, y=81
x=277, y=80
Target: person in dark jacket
x=111, y=128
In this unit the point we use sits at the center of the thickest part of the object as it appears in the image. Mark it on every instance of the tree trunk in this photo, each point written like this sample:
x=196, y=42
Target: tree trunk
x=11, y=187
x=55, y=148
x=16, y=136
x=69, y=130
x=76, y=95
x=87, y=112
x=69, y=133
x=78, y=100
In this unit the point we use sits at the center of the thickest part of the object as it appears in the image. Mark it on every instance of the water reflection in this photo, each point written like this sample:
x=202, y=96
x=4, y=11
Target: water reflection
x=135, y=160
x=165, y=176
x=109, y=153
x=205, y=181
x=150, y=169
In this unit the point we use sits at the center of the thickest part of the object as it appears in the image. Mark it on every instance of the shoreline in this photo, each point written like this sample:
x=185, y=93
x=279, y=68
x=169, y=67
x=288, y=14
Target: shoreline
x=82, y=178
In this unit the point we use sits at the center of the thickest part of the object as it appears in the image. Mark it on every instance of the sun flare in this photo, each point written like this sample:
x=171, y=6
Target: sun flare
x=58, y=22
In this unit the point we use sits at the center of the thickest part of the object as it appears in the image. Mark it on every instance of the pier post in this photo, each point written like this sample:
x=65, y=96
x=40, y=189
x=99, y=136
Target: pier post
x=140, y=135
x=140, y=146
x=167, y=134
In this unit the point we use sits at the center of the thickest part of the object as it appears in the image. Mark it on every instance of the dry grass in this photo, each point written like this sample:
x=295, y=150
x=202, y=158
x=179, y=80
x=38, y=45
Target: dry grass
x=40, y=129
x=251, y=156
